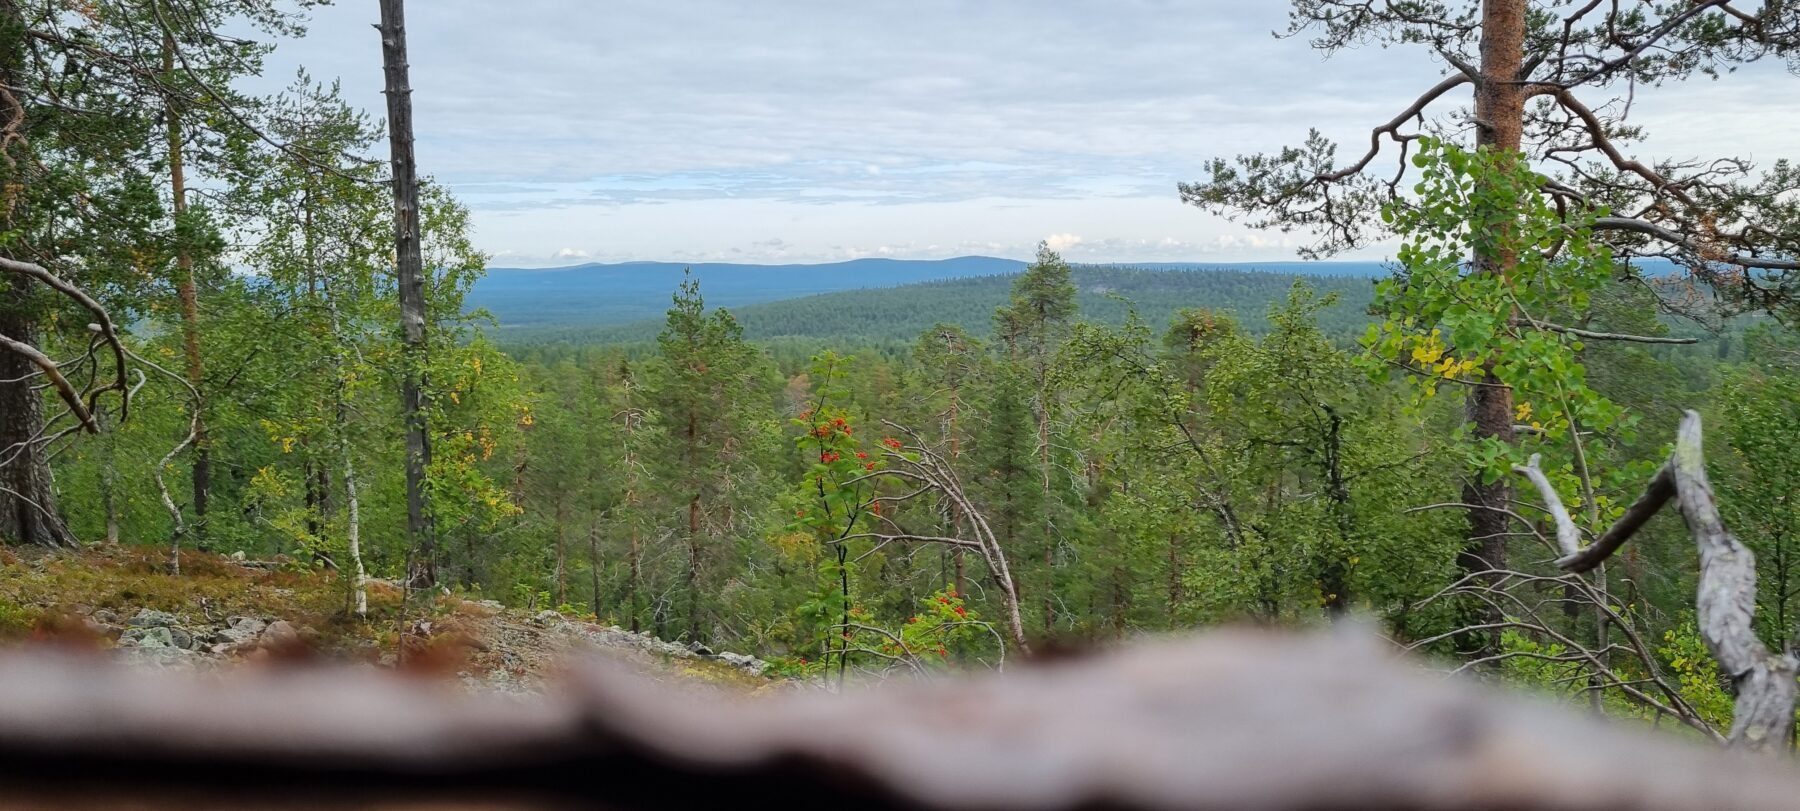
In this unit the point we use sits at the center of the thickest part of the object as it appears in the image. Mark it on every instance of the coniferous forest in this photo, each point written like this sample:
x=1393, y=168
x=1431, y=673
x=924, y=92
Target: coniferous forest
x=228, y=331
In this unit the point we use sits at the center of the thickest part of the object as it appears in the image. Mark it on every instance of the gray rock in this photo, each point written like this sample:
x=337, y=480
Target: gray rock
x=280, y=633
x=180, y=638
x=161, y=657
x=107, y=616
x=148, y=618
x=546, y=619
x=147, y=638
x=748, y=664
x=699, y=649
x=238, y=556
x=242, y=631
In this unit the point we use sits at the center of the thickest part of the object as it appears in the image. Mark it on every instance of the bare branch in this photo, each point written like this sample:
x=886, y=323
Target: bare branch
x=1568, y=538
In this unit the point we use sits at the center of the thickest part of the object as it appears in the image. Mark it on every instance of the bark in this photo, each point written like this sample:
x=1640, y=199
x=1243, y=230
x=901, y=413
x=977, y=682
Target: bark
x=956, y=555
x=353, y=532
x=1049, y=539
x=187, y=291
x=594, y=567
x=562, y=555
x=28, y=511
x=409, y=267
x=633, y=571
x=1500, y=115
x=693, y=536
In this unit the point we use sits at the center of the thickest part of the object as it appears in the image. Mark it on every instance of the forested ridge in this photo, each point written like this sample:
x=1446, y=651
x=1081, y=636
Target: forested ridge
x=229, y=329
x=1107, y=295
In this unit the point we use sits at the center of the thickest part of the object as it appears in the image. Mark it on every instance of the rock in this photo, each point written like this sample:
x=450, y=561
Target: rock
x=148, y=618
x=148, y=638
x=242, y=631
x=746, y=663
x=106, y=615
x=699, y=649
x=180, y=638
x=546, y=618
x=166, y=657
x=280, y=634
x=238, y=556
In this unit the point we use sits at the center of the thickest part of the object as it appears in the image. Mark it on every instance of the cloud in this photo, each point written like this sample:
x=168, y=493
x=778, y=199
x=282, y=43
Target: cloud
x=1061, y=243
x=933, y=122
x=572, y=253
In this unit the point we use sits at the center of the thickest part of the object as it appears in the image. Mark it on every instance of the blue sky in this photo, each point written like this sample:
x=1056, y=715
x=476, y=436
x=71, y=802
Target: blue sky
x=802, y=131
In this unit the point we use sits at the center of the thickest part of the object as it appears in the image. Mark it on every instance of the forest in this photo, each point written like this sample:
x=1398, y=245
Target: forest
x=236, y=326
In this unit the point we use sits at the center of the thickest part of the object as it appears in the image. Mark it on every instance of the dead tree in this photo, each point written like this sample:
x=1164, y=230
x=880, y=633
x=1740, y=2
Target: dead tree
x=409, y=267
x=1764, y=680
x=922, y=465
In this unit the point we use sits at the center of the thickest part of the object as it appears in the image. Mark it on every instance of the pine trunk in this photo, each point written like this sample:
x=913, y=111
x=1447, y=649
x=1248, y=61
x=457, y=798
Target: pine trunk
x=27, y=499
x=1499, y=113
x=187, y=290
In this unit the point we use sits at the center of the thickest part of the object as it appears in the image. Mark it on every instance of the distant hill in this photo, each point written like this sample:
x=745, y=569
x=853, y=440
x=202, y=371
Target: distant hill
x=593, y=297
x=610, y=294
x=901, y=313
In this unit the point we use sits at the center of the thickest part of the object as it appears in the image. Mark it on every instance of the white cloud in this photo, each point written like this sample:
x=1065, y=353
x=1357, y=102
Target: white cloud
x=573, y=253
x=1061, y=242
x=930, y=123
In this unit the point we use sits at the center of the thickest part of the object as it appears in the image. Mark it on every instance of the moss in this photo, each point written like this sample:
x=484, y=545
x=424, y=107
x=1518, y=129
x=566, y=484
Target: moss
x=209, y=589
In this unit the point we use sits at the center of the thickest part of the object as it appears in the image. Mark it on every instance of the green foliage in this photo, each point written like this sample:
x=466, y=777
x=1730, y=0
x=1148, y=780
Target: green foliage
x=1697, y=674
x=1447, y=319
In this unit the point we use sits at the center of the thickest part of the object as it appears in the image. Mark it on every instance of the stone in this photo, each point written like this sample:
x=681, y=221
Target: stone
x=242, y=631
x=148, y=638
x=180, y=638
x=148, y=618
x=546, y=618
x=748, y=664
x=280, y=634
x=106, y=615
x=238, y=556
x=166, y=657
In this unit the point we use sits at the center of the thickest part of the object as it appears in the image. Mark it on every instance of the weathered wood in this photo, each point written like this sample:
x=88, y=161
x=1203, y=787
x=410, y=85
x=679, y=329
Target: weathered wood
x=1763, y=717
x=1568, y=537
x=1235, y=719
x=409, y=268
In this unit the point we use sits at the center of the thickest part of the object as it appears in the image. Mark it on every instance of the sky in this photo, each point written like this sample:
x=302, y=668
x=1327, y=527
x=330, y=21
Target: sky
x=802, y=131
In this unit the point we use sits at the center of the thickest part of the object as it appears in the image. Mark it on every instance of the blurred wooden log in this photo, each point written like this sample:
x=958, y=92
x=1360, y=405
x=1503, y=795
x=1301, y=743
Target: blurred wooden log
x=1234, y=719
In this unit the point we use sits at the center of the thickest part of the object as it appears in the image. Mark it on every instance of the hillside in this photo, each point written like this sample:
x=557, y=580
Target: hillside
x=221, y=612
x=605, y=295
x=1105, y=295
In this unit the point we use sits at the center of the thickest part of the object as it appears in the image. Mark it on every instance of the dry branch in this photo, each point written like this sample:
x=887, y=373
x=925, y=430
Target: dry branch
x=80, y=403
x=1568, y=538
x=1726, y=603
